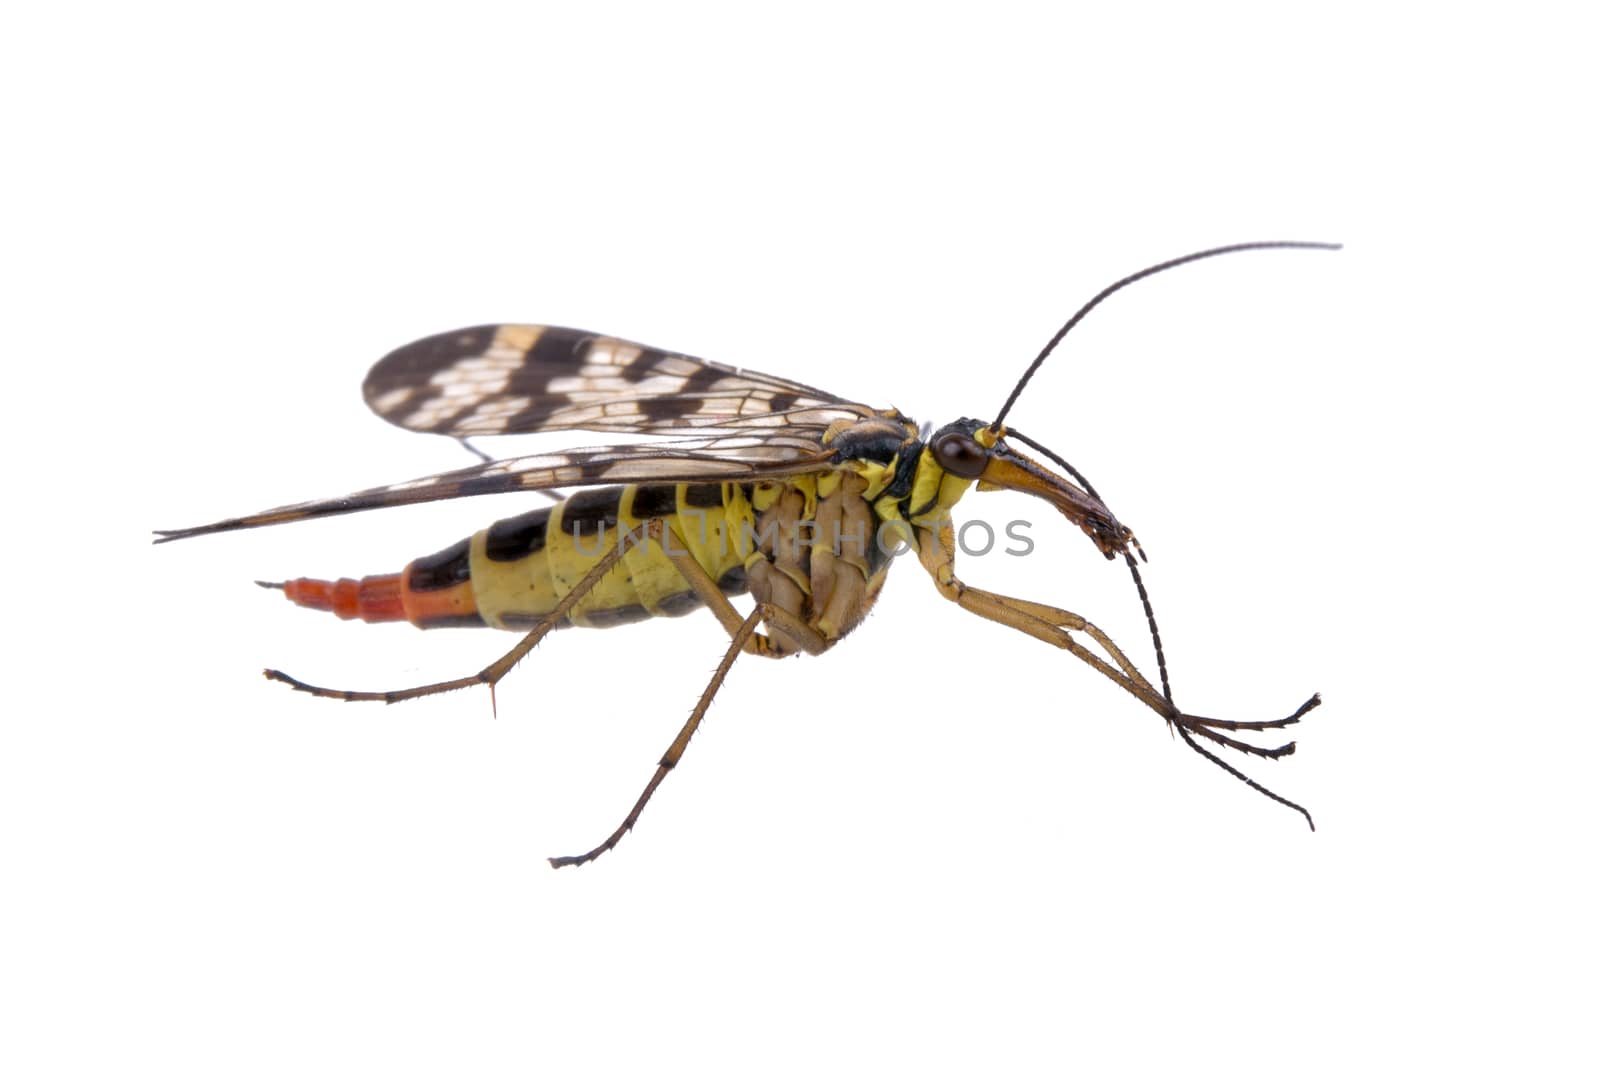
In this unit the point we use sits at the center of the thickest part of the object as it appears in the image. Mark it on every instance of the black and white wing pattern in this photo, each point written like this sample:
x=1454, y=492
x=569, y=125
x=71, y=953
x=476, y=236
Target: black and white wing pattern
x=528, y=379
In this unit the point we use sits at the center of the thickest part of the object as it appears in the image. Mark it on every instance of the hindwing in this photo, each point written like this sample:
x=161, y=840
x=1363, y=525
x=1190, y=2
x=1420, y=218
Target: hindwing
x=510, y=379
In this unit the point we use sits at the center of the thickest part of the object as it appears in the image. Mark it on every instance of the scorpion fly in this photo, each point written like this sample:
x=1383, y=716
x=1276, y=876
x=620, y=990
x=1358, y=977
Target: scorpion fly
x=761, y=486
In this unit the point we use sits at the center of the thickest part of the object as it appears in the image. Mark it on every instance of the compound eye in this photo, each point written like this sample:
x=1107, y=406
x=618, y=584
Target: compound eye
x=959, y=454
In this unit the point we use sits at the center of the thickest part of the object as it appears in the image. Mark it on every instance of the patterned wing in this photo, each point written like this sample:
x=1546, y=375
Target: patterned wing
x=529, y=379
x=769, y=454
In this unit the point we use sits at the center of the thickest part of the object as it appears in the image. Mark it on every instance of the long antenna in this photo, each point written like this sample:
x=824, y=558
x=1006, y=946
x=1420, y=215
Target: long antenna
x=1248, y=246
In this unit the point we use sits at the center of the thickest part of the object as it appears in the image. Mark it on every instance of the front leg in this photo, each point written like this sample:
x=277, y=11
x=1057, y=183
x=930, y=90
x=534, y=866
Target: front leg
x=936, y=553
x=1055, y=626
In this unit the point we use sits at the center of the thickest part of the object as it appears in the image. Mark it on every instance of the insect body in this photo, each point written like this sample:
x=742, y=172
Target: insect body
x=795, y=496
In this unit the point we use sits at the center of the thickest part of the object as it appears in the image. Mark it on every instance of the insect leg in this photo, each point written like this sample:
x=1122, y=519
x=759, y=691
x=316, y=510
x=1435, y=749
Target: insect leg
x=1052, y=625
x=713, y=597
x=936, y=552
x=774, y=617
x=497, y=670
x=1204, y=726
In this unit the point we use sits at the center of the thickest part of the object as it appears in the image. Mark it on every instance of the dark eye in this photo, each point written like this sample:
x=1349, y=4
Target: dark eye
x=959, y=454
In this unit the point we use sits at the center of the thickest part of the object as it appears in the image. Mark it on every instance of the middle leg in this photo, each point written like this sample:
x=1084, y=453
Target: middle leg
x=775, y=618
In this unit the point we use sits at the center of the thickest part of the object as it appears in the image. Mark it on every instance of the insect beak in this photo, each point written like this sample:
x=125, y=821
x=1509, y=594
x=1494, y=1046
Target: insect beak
x=1010, y=469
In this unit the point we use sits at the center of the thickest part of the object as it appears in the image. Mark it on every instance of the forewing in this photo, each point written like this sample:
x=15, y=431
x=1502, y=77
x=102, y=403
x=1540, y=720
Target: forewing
x=528, y=379
x=728, y=458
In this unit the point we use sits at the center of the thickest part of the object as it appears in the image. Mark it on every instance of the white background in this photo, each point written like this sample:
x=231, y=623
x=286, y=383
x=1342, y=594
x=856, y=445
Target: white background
x=1364, y=473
